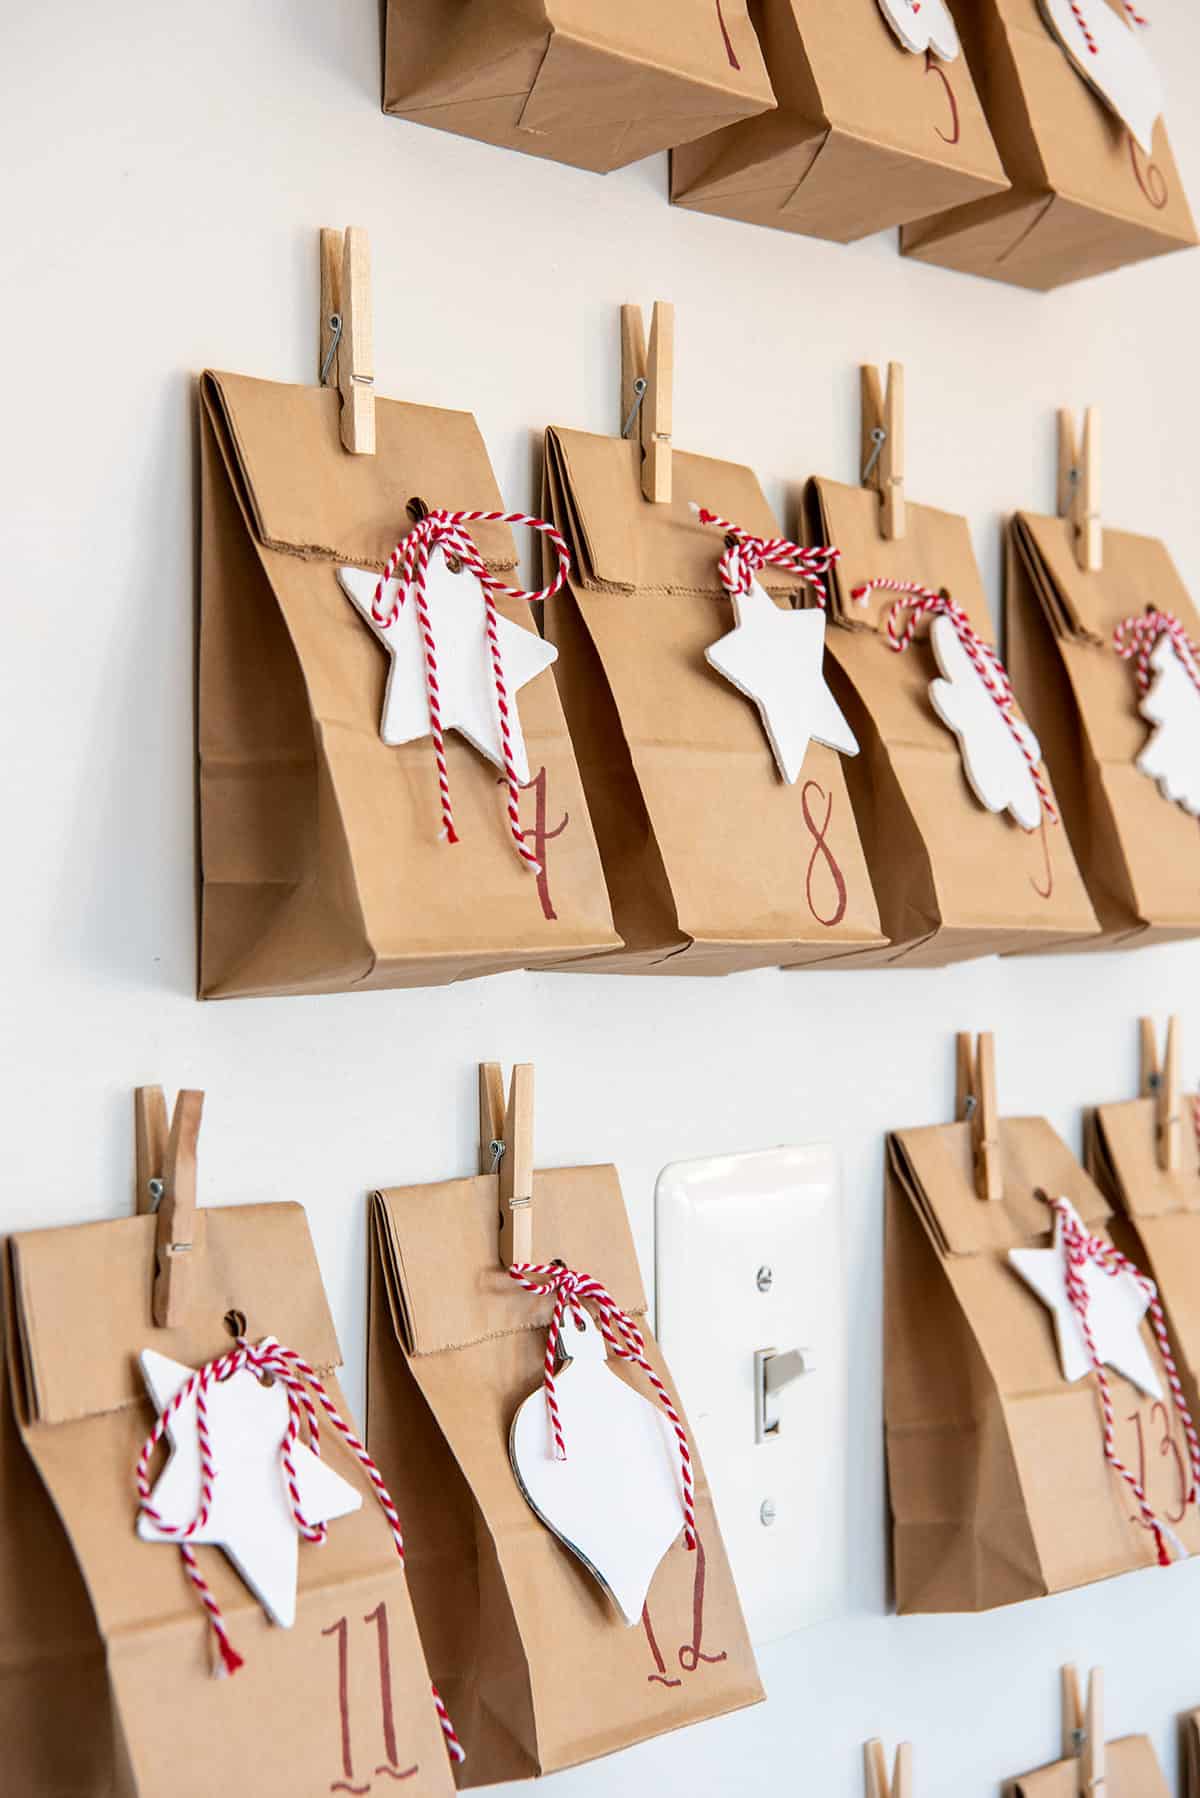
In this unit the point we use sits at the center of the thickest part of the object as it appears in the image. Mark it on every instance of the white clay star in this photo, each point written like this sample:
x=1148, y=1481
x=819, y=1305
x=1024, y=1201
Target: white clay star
x=1116, y=1307
x=1172, y=754
x=464, y=663
x=776, y=657
x=998, y=773
x=250, y=1517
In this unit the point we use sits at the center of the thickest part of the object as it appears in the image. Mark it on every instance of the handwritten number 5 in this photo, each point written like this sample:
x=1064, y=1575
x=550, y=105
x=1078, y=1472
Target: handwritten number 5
x=934, y=67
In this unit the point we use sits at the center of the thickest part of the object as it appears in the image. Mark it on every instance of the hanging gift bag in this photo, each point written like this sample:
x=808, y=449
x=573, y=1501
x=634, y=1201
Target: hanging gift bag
x=1038, y=1436
x=1088, y=650
x=301, y=1670
x=958, y=816
x=878, y=122
x=352, y=835
x=551, y=1645
x=594, y=83
x=712, y=753
x=1075, y=105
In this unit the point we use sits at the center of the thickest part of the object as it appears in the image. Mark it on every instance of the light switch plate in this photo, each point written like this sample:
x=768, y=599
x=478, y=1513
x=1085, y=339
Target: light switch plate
x=749, y=1257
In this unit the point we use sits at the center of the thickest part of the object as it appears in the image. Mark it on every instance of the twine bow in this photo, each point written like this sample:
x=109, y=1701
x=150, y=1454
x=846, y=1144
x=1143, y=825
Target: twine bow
x=621, y=1334
x=447, y=531
x=269, y=1359
x=919, y=602
x=1083, y=1250
x=1137, y=637
x=744, y=555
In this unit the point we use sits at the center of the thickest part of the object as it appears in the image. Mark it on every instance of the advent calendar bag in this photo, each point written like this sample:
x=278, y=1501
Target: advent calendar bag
x=1191, y=1754
x=1089, y=192
x=537, y=1664
x=955, y=808
x=999, y=1480
x=56, y=1722
x=317, y=1706
x=714, y=861
x=875, y=125
x=1138, y=849
x=595, y=83
x=325, y=861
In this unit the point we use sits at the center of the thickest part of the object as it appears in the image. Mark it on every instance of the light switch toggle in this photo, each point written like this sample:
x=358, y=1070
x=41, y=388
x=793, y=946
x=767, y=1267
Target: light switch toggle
x=772, y=1372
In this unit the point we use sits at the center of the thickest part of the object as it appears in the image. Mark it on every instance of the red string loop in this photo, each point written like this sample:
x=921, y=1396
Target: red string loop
x=409, y=561
x=301, y=1384
x=915, y=603
x=621, y=1334
x=744, y=555
x=1137, y=637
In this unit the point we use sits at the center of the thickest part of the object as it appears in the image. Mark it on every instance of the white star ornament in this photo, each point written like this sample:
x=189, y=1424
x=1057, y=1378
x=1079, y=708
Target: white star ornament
x=1172, y=754
x=249, y=1518
x=776, y=657
x=999, y=776
x=466, y=680
x=1116, y=1307
x=922, y=25
x=1120, y=68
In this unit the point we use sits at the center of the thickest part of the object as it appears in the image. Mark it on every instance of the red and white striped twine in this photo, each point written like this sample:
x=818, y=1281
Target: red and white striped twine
x=1082, y=1248
x=299, y=1379
x=624, y=1339
x=1137, y=637
x=920, y=602
x=446, y=531
x=1080, y=17
x=745, y=554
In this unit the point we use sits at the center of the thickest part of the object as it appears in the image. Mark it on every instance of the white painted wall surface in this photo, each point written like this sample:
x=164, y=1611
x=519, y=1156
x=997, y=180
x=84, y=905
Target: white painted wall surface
x=166, y=172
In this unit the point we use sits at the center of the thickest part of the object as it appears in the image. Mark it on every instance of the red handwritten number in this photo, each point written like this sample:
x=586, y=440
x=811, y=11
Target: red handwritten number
x=1044, y=892
x=1151, y=179
x=821, y=847
x=541, y=836
x=691, y=1654
x=729, y=51
x=1167, y=1447
x=934, y=67
x=391, y=1766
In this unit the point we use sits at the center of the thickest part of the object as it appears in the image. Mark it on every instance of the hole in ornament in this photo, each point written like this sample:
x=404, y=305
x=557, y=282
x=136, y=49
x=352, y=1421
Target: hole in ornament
x=235, y=1323
x=266, y=1379
x=579, y=1324
x=417, y=509
x=454, y=564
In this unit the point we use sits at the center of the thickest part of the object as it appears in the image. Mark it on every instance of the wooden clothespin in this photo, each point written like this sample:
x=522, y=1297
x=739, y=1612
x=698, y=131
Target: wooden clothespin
x=1160, y=1082
x=347, y=348
x=647, y=385
x=1079, y=487
x=883, y=444
x=875, y=1768
x=166, y=1185
x=1083, y=1731
x=506, y=1148
x=976, y=1102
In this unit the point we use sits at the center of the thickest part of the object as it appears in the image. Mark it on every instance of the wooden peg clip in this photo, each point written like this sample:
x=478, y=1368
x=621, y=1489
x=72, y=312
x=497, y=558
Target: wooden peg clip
x=647, y=387
x=1083, y=1731
x=506, y=1149
x=166, y=1185
x=875, y=1768
x=976, y=1102
x=1079, y=487
x=1160, y=1082
x=883, y=444
x=347, y=347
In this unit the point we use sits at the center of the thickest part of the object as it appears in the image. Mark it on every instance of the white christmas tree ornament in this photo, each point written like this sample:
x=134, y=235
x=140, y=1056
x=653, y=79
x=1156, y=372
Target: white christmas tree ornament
x=1109, y=53
x=466, y=678
x=995, y=766
x=923, y=25
x=1172, y=704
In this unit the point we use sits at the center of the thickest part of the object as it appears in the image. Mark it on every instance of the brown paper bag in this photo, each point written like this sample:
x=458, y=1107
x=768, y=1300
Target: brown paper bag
x=713, y=862
x=999, y=1486
x=323, y=868
x=533, y=1660
x=1084, y=197
x=342, y=1692
x=1139, y=853
x=585, y=82
x=1157, y=1221
x=952, y=879
x=1131, y=1770
x=56, y=1720
x=1191, y=1754
x=866, y=135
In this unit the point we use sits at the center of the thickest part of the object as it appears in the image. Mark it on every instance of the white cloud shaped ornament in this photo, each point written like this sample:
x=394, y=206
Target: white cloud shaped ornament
x=1172, y=704
x=995, y=766
x=1112, y=58
x=923, y=25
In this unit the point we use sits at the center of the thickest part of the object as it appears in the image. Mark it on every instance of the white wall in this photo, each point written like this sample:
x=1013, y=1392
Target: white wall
x=167, y=169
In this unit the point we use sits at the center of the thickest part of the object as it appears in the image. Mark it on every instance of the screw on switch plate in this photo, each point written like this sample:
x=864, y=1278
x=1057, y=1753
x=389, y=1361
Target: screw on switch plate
x=767, y=1512
x=764, y=1279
